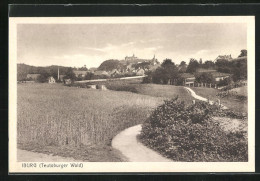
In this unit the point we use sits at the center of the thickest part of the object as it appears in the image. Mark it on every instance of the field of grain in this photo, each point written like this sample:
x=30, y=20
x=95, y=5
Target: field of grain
x=63, y=120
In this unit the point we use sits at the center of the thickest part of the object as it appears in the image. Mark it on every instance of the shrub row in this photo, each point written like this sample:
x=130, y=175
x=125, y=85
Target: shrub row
x=187, y=133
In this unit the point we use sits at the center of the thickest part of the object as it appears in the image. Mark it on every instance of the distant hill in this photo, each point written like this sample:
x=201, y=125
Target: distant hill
x=23, y=70
x=110, y=65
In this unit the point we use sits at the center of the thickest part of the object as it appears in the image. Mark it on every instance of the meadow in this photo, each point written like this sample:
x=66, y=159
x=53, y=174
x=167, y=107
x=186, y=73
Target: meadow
x=230, y=102
x=76, y=122
x=154, y=90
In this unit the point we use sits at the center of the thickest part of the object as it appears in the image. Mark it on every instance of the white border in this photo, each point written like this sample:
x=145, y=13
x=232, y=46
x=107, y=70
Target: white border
x=15, y=167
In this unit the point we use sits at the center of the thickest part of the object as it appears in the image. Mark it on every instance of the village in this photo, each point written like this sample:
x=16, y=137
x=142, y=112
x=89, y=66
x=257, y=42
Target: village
x=196, y=74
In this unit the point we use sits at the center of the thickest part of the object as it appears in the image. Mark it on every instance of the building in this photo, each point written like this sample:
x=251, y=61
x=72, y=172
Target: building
x=51, y=80
x=188, y=79
x=32, y=76
x=134, y=60
x=240, y=59
x=223, y=57
x=92, y=69
x=140, y=72
x=218, y=76
x=101, y=73
x=80, y=73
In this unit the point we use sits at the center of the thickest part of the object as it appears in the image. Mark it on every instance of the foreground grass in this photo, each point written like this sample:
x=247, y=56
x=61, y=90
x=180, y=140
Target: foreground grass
x=230, y=102
x=78, y=123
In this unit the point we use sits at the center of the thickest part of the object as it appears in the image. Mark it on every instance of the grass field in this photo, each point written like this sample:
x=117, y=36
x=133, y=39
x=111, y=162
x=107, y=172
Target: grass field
x=75, y=122
x=230, y=102
x=242, y=91
x=155, y=90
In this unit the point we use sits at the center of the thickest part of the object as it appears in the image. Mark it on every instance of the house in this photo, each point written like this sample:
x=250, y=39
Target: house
x=218, y=76
x=67, y=81
x=32, y=76
x=80, y=73
x=113, y=73
x=51, y=80
x=101, y=73
x=188, y=79
x=92, y=69
x=240, y=58
x=140, y=72
x=223, y=57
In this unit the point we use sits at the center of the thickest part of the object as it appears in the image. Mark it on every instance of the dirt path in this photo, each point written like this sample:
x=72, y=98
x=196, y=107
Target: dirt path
x=29, y=156
x=126, y=142
x=193, y=94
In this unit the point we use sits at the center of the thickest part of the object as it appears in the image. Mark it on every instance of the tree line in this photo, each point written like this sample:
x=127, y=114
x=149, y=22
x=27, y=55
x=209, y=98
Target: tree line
x=169, y=73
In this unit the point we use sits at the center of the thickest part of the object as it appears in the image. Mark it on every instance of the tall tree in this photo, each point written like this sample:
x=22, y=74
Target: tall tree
x=243, y=53
x=166, y=73
x=193, y=66
x=70, y=74
x=182, y=67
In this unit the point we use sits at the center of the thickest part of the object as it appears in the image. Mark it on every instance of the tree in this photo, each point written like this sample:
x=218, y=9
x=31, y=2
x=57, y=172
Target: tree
x=70, y=74
x=165, y=74
x=205, y=77
x=200, y=61
x=109, y=65
x=89, y=76
x=193, y=66
x=84, y=68
x=208, y=64
x=182, y=67
x=243, y=53
x=43, y=77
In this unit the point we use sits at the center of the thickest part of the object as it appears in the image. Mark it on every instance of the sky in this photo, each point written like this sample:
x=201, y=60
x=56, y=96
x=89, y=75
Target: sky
x=77, y=45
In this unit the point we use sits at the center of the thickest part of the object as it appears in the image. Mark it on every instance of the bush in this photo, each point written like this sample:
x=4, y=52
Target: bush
x=187, y=133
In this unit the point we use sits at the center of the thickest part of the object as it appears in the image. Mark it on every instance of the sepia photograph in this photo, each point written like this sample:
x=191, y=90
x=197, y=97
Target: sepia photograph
x=152, y=94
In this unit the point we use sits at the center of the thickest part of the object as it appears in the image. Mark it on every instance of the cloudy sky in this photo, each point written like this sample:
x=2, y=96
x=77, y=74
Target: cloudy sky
x=91, y=44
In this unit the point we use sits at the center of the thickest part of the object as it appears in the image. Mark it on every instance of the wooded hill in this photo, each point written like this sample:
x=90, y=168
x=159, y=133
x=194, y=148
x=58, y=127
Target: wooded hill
x=23, y=70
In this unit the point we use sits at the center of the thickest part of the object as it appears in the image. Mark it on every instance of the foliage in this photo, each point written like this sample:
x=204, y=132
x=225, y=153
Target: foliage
x=43, y=77
x=193, y=66
x=23, y=70
x=166, y=73
x=208, y=65
x=182, y=67
x=225, y=82
x=148, y=78
x=205, y=77
x=238, y=68
x=227, y=93
x=70, y=74
x=187, y=133
x=243, y=53
x=109, y=65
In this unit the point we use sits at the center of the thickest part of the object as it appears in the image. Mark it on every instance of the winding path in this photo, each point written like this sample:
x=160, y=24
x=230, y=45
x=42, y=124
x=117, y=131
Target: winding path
x=127, y=143
x=193, y=94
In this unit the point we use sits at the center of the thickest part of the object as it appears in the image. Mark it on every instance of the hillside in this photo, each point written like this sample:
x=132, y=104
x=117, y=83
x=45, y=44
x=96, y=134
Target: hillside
x=109, y=65
x=23, y=70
